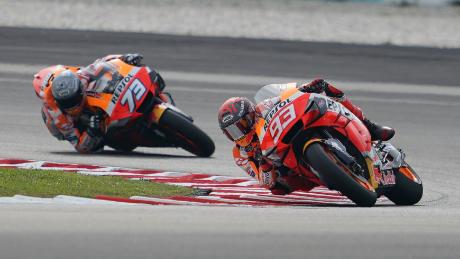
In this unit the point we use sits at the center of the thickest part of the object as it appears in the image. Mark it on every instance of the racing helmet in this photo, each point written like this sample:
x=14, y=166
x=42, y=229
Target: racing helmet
x=67, y=90
x=236, y=119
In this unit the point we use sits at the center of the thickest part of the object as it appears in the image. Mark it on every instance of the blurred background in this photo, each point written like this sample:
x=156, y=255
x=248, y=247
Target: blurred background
x=434, y=23
x=405, y=2
x=398, y=60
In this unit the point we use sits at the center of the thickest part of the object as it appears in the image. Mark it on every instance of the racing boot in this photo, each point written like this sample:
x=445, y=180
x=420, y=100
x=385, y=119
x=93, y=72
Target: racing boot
x=379, y=132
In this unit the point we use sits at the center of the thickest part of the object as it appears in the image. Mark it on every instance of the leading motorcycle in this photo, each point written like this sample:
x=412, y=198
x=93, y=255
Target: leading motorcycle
x=318, y=138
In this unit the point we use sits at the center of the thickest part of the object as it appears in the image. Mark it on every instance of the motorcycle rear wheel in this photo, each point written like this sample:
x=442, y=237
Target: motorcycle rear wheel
x=333, y=174
x=408, y=189
x=185, y=134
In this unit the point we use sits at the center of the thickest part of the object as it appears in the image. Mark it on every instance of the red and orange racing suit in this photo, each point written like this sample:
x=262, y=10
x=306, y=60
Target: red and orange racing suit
x=95, y=78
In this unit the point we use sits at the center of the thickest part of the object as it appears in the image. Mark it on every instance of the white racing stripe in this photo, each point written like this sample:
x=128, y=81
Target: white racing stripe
x=216, y=198
x=15, y=80
x=215, y=78
x=405, y=101
x=431, y=90
x=24, y=69
x=287, y=200
x=167, y=201
x=218, y=79
x=221, y=178
x=60, y=199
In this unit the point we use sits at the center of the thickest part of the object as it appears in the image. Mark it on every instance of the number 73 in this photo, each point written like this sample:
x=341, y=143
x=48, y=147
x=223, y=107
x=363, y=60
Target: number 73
x=136, y=90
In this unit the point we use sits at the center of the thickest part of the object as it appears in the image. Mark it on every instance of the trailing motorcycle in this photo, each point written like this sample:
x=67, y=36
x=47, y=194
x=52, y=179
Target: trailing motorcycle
x=134, y=115
x=320, y=139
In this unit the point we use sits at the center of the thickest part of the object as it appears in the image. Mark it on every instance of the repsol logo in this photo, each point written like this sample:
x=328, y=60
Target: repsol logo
x=273, y=111
x=119, y=88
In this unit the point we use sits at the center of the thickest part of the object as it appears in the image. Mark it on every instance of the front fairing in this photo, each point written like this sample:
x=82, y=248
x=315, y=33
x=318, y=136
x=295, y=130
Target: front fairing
x=278, y=120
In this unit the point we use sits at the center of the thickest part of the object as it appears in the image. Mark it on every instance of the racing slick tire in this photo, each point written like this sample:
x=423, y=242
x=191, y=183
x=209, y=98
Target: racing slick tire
x=334, y=176
x=185, y=134
x=408, y=189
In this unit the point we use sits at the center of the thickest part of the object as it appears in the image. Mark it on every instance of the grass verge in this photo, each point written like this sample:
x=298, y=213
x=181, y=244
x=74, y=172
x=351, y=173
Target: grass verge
x=44, y=183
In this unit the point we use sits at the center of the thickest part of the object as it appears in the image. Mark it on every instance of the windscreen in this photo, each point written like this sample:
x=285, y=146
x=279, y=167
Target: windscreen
x=270, y=91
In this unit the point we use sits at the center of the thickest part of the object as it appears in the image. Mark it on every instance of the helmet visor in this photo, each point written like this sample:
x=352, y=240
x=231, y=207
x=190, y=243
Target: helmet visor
x=71, y=103
x=234, y=132
x=239, y=129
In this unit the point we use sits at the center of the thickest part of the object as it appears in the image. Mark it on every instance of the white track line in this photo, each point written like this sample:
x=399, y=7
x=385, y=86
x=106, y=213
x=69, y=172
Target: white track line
x=215, y=78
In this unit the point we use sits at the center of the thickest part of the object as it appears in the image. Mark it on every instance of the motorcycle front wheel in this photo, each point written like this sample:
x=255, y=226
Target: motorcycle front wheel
x=185, y=134
x=334, y=174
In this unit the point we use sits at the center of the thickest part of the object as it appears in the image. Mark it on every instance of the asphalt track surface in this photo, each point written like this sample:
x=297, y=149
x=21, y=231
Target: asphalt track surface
x=427, y=123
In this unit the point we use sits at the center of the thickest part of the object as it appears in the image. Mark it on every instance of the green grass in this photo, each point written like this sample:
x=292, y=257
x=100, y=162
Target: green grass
x=43, y=183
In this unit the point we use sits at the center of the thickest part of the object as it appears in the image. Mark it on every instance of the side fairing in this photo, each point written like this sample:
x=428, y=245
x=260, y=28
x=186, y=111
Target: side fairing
x=345, y=122
x=322, y=112
x=128, y=94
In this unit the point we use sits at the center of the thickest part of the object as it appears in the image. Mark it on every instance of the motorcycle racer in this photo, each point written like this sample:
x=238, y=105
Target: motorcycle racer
x=63, y=90
x=238, y=115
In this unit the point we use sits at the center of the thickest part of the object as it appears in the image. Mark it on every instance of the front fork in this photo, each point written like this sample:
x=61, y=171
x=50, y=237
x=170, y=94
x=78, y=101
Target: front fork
x=381, y=161
x=387, y=160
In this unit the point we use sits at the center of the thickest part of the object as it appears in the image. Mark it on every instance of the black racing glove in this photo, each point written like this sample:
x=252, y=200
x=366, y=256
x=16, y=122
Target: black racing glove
x=315, y=86
x=134, y=59
x=94, y=127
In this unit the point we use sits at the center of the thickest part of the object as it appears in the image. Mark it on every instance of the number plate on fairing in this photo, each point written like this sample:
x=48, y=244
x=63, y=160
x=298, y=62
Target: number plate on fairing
x=280, y=119
x=128, y=93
